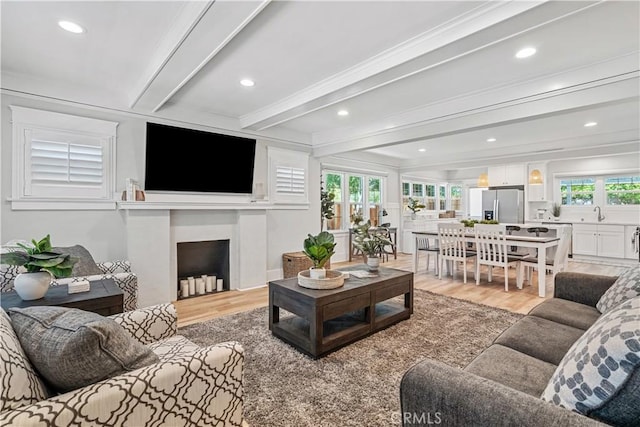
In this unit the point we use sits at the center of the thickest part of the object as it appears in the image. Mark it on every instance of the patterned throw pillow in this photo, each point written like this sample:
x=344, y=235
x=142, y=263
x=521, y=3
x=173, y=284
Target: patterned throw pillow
x=20, y=384
x=627, y=286
x=598, y=375
x=72, y=348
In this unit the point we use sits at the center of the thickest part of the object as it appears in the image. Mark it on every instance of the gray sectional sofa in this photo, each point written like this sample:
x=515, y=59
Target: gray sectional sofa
x=505, y=384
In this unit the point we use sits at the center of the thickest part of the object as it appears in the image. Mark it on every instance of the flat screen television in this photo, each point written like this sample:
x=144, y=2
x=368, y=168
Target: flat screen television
x=188, y=160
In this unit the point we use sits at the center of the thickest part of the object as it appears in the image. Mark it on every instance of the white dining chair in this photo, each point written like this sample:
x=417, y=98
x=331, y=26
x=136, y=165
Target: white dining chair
x=559, y=261
x=424, y=244
x=453, y=248
x=491, y=247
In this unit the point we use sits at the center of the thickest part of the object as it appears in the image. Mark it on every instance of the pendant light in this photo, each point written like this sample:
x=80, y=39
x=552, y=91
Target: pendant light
x=483, y=180
x=535, y=177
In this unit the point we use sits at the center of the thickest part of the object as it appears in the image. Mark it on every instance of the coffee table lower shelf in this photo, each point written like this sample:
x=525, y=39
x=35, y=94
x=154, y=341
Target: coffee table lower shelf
x=319, y=322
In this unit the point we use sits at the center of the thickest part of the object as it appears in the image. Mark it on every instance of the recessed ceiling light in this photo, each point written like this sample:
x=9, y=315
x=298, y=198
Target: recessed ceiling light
x=526, y=52
x=590, y=124
x=343, y=113
x=422, y=150
x=247, y=82
x=491, y=140
x=72, y=27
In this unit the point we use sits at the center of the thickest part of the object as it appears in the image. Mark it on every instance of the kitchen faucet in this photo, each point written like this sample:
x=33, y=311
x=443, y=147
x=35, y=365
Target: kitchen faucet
x=600, y=217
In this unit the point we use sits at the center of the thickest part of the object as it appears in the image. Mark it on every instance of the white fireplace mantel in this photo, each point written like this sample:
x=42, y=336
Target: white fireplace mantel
x=155, y=228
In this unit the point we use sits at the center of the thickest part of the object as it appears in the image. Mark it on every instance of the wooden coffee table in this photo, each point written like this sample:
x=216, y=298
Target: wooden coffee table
x=104, y=298
x=325, y=320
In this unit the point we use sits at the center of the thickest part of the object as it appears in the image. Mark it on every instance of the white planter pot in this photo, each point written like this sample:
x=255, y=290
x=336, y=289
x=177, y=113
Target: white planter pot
x=317, y=273
x=373, y=262
x=30, y=286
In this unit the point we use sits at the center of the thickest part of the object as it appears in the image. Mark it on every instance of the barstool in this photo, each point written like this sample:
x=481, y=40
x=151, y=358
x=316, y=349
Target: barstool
x=537, y=230
x=510, y=229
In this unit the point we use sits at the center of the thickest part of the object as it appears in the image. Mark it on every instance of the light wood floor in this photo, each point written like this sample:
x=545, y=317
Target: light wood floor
x=194, y=310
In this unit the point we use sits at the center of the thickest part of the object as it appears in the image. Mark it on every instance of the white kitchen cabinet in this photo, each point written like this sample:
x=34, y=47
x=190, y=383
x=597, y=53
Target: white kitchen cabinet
x=506, y=175
x=631, y=243
x=598, y=240
x=535, y=193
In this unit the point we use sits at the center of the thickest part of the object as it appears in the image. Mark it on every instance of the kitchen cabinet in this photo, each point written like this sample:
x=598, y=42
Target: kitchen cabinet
x=632, y=242
x=599, y=240
x=506, y=175
x=536, y=193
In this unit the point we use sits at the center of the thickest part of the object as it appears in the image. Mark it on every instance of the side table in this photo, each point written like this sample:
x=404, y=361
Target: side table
x=104, y=298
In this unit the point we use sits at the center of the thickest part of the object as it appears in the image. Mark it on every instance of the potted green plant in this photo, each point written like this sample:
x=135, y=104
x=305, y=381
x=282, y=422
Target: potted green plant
x=41, y=265
x=371, y=241
x=414, y=206
x=326, y=207
x=319, y=249
x=555, y=210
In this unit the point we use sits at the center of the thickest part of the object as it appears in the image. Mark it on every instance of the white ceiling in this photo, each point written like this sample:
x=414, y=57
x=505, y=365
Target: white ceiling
x=438, y=75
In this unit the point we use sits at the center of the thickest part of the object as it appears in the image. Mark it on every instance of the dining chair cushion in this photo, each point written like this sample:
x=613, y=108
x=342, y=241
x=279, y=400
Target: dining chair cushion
x=626, y=286
x=73, y=348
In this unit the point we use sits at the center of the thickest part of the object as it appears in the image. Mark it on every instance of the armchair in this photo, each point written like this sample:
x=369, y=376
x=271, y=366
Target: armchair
x=119, y=271
x=190, y=386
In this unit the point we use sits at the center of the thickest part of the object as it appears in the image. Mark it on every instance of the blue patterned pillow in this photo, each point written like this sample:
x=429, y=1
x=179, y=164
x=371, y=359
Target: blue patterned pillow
x=627, y=286
x=598, y=375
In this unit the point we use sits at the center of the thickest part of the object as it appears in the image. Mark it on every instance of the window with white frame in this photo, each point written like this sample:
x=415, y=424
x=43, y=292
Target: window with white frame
x=622, y=190
x=435, y=197
x=355, y=196
x=288, y=172
x=577, y=191
x=62, y=161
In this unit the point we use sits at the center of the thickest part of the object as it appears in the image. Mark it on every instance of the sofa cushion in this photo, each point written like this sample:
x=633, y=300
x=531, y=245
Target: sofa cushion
x=567, y=312
x=540, y=338
x=513, y=369
x=20, y=383
x=72, y=348
x=599, y=375
x=627, y=286
x=85, y=265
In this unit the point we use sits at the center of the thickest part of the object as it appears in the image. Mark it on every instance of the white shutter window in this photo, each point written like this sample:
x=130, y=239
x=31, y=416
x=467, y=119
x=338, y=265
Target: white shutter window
x=288, y=172
x=290, y=180
x=62, y=161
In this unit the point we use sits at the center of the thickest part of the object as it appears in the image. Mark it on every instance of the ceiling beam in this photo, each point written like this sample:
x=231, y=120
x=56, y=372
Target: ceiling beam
x=201, y=32
x=612, y=90
x=446, y=43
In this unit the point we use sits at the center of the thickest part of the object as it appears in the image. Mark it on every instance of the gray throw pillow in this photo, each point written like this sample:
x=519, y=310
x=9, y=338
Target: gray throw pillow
x=600, y=374
x=85, y=265
x=72, y=348
x=626, y=286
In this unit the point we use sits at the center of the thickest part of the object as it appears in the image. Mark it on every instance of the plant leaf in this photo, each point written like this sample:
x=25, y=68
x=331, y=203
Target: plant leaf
x=14, y=258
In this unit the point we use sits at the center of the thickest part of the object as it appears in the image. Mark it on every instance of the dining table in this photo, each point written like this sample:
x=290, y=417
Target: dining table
x=540, y=243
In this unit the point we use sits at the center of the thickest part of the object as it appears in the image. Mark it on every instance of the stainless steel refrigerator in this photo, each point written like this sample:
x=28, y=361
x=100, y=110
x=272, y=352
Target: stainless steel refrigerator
x=504, y=205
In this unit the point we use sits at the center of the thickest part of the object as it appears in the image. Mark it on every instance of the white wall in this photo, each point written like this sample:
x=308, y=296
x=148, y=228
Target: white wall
x=104, y=232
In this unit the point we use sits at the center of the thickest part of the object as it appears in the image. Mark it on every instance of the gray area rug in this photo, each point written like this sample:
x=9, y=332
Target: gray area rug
x=358, y=385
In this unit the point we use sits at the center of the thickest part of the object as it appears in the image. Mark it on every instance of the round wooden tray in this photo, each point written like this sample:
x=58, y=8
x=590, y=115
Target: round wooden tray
x=334, y=279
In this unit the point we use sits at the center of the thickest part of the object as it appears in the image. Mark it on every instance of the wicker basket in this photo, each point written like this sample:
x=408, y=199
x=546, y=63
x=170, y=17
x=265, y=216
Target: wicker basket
x=334, y=279
x=294, y=262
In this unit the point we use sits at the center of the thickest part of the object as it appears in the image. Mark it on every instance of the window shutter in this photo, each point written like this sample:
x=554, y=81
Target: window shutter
x=63, y=163
x=290, y=180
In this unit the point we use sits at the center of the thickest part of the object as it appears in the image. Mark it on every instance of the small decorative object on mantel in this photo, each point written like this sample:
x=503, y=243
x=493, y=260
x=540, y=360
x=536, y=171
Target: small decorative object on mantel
x=41, y=265
x=319, y=249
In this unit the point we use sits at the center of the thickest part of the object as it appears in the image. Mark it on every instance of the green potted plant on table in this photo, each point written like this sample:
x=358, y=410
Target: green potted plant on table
x=326, y=207
x=371, y=241
x=414, y=206
x=41, y=265
x=319, y=249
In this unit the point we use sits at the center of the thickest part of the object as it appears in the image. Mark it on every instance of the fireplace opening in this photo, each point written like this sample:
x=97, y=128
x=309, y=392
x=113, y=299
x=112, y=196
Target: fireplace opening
x=203, y=268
